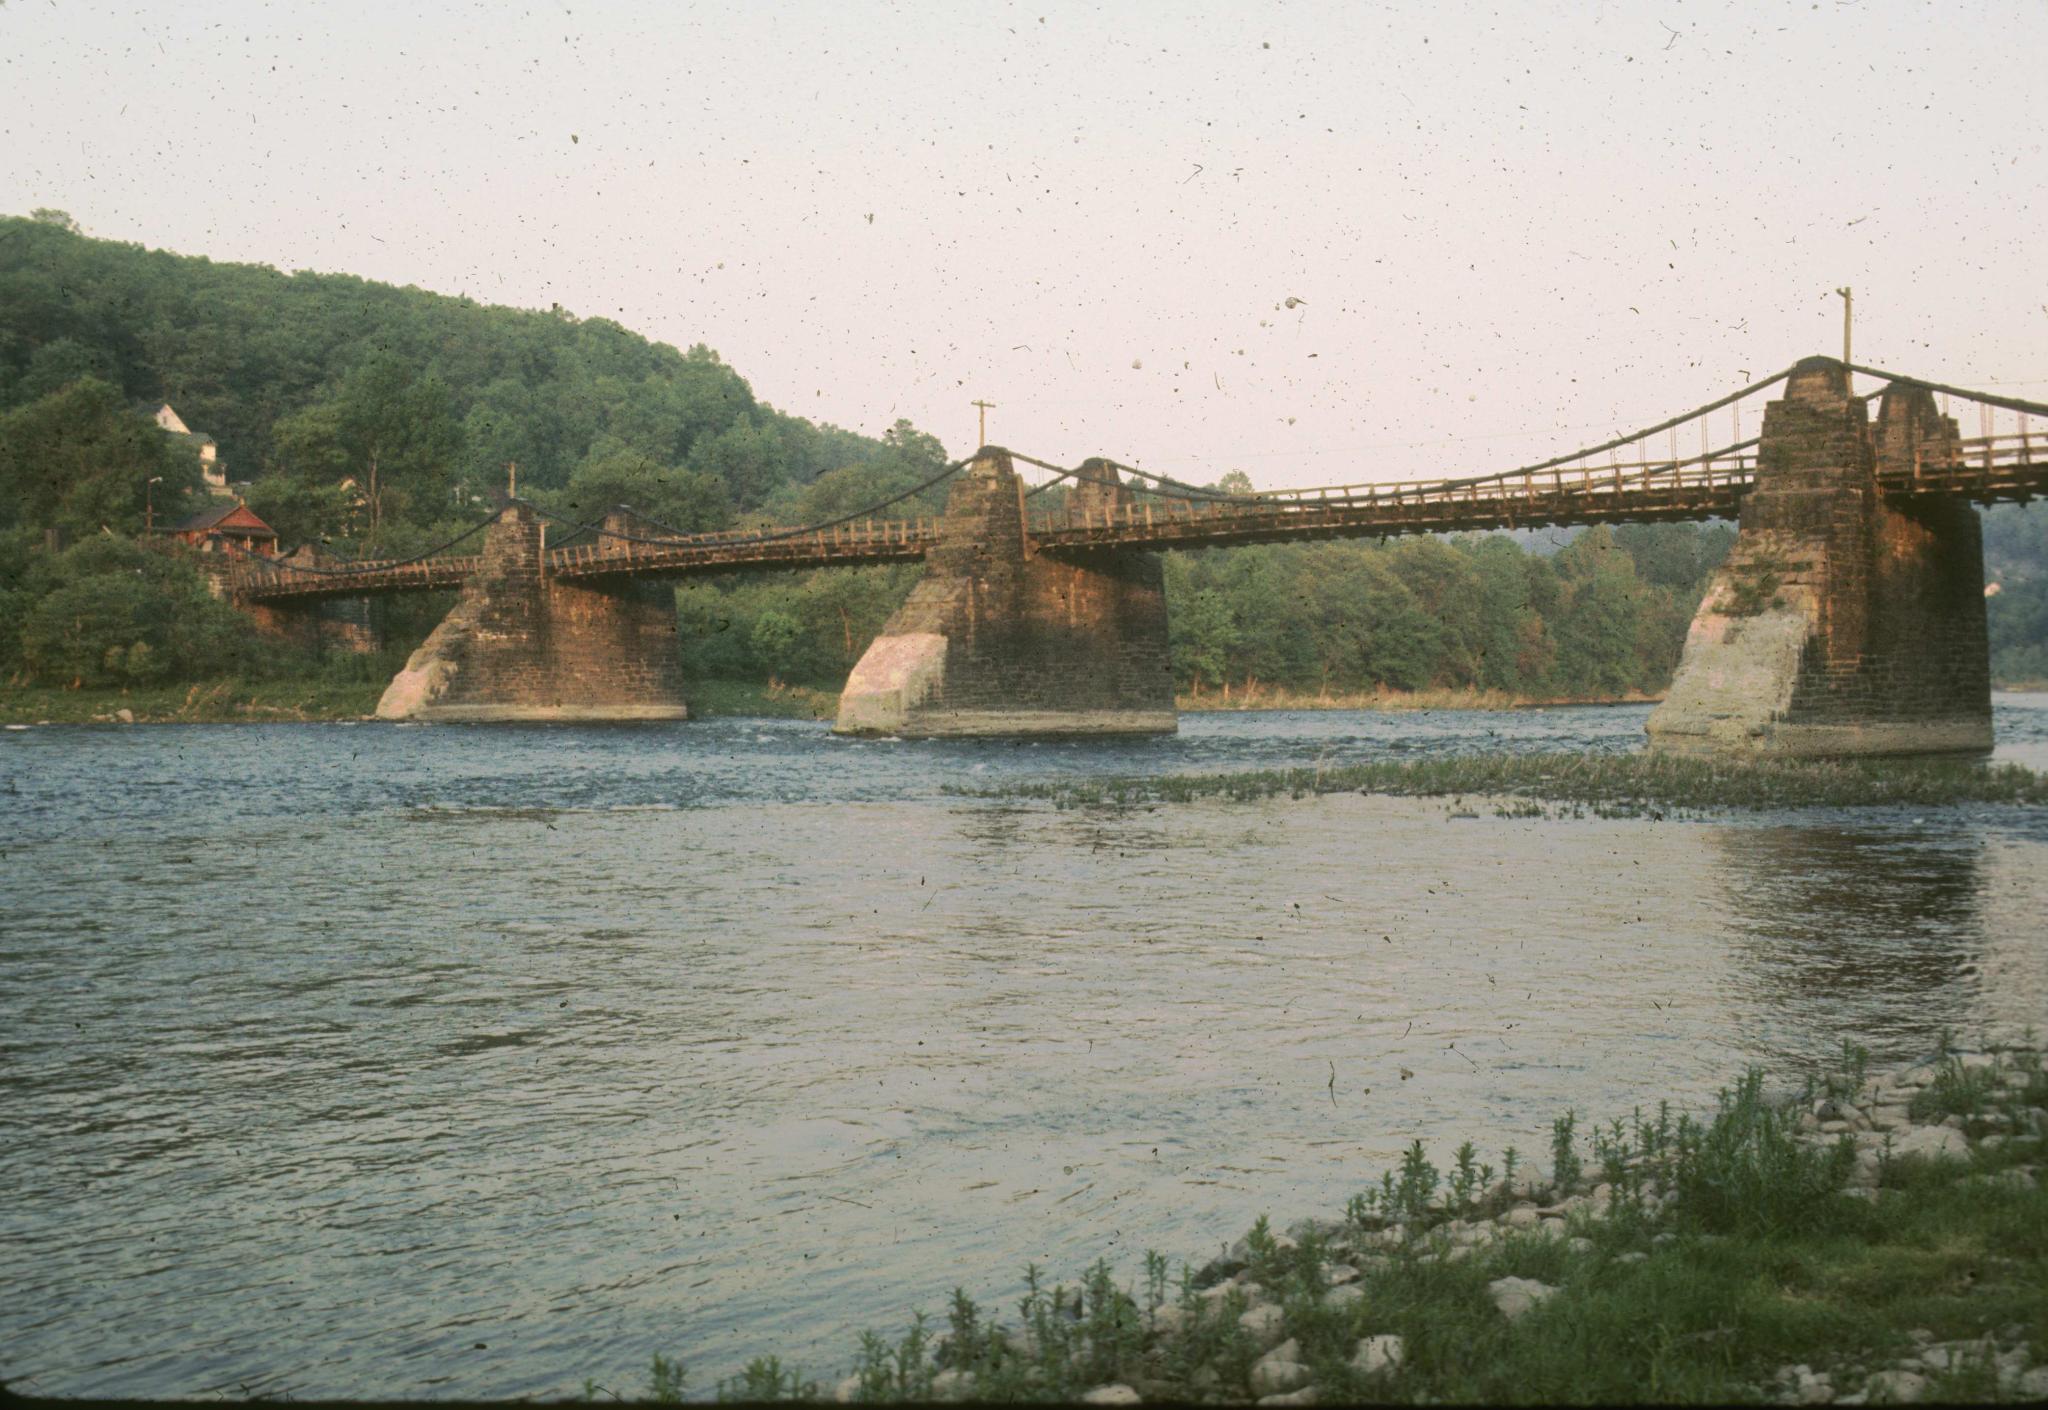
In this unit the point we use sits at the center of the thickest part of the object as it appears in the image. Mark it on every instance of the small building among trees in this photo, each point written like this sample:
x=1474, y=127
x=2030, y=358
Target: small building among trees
x=212, y=469
x=228, y=528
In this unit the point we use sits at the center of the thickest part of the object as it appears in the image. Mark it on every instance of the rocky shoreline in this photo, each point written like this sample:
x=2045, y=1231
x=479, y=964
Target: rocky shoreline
x=1332, y=1310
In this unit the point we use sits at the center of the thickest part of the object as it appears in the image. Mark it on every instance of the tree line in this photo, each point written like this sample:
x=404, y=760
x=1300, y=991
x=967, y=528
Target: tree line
x=1605, y=616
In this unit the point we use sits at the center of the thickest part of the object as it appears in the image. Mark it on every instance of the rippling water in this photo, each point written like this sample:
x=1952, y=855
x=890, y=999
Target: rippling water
x=389, y=1061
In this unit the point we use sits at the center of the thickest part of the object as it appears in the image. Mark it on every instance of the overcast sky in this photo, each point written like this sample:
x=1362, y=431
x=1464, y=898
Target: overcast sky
x=1509, y=228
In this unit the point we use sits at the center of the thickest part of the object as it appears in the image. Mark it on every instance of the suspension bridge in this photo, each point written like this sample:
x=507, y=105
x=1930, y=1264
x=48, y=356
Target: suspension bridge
x=1834, y=493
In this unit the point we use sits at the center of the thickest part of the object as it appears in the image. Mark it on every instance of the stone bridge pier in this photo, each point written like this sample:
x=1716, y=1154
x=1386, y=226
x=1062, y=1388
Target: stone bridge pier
x=1840, y=623
x=522, y=645
x=999, y=639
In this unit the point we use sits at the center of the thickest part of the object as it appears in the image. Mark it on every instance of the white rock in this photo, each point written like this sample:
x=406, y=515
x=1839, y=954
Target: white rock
x=1374, y=1355
x=1278, y=1372
x=1514, y=1296
x=125, y=716
x=2032, y=1385
x=1522, y=1216
x=1170, y=1319
x=845, y=1392
x=1338, y=1274
x=1637, y=1256
x=1895, y=1387
x=952, y=1385
x=1579, y=1245
x=1347, y=1295
x=1932, y=1143
x=1264, y=1325
x=1305, y=1396
x=1951, y=1356
x=1110, y=1395
x=1552, y=1228
x=1324, y=1229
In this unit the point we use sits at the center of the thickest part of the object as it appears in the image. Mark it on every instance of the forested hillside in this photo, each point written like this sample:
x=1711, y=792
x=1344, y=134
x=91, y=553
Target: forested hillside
x=375, y=418
x=305, y=379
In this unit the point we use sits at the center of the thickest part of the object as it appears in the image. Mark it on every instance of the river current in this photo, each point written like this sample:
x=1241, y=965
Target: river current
x=387, y=1061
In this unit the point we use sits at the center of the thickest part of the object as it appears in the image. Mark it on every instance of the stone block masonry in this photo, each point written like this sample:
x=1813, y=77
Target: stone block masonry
x=1840, y=623
x=998, y=639
x=521, y=645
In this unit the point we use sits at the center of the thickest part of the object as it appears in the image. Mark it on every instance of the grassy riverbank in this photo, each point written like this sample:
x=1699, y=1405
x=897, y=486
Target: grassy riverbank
x=349, y=694
x=1612, y=784
x=227, y=700
x=1871, y=1240
x=712, y=699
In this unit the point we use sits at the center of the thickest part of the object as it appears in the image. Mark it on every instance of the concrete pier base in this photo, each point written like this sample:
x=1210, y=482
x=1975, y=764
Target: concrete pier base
x=520, y=646
x=1000, y=640
x=1840, y=624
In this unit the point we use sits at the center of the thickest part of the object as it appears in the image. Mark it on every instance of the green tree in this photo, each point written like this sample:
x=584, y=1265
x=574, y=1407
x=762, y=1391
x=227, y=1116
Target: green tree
x=56, y=364
x=745, y=456
x=1597, y=629
x=388, y=427
x=303, y=511
x=684, y=500
x=113, y=612
x=908, y=458
x=79, y=460
x=774, y=639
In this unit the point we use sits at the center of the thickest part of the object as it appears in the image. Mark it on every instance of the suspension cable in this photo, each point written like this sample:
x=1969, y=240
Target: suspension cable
x=1192, y=492
x=2032, y=408
x=382, y=566
x=762, y=536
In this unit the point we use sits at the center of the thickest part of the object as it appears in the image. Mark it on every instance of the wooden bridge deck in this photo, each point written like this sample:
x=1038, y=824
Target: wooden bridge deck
x=1989, y=469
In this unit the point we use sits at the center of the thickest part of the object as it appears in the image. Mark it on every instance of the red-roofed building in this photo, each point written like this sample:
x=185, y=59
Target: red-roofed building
x=228, y=528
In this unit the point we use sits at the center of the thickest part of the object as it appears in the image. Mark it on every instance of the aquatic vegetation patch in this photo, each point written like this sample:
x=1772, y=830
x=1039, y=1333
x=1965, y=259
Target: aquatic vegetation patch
x=1610, y=785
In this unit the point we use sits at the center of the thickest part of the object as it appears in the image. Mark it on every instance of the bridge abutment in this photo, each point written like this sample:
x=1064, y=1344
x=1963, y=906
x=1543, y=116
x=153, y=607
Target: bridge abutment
x=998, y=639
x=1840, y=623
x=522, y=645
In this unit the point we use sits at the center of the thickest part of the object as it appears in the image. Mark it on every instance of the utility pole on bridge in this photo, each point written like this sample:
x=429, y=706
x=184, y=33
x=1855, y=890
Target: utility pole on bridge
x=1848, y=309
x=986, y=407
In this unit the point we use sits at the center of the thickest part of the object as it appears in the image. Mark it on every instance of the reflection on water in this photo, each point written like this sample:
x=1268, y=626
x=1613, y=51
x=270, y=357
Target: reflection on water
x=331, y=1053
x=1868, y=930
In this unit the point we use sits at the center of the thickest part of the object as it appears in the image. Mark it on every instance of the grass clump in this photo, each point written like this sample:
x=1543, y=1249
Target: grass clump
x=1618, y=785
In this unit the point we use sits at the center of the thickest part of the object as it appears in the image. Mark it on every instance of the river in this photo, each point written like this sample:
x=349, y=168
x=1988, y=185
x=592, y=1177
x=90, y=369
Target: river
x=389, y=1061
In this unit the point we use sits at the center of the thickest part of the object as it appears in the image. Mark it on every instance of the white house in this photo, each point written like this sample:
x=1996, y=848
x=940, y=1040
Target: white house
x=210, y=465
